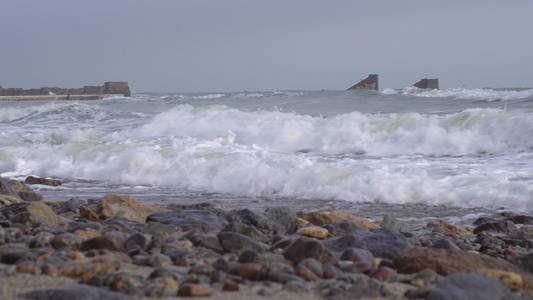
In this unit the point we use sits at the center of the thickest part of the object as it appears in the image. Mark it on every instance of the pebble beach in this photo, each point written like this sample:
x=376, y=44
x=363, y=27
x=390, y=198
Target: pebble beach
x=115, y=247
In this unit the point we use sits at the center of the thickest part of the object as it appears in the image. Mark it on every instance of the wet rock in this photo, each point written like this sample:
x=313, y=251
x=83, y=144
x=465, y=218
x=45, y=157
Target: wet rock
x=483, y=220
x=314, y=232
x=386, y=243
x=510, y=279
x=526, y=220
x=453, y=231
x=68, y=240
x=280, y=277
x=194, y=290
x=248, y=230
x=363, y=260
x=303, y=248
x=75, y=291
x=383, y=273
x=262, y=222
x=26, y=267
x=524, y=262
x=30, y=213
x=306, y=274
x=7, y=189
x=112, y=205
x=391, y=222
x=113, y=242
x=7, y=200
x=143, y=241
x=189, y=219
x=71, y=206
x=445, y=244
x=282, y=219
x=470, y=286
x=43, y=181
x=86, y=212
x=247, y=271
x=313, y=265
x=346, y=227
x=86, y=268
x=237, y=243
x=155, y=228
x=12, y=254
x=446, y=262
x=50, y=270
x=506, y=227
x=41, y=239
x=321, y=218
x=338, y=245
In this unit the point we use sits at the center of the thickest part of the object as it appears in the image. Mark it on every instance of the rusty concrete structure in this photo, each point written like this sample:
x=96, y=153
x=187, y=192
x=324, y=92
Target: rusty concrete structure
x=426, y=83
x=109, y=89
x=370, y=83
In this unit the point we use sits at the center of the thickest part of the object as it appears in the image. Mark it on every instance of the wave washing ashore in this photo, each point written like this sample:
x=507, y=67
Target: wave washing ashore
x=455, y=147
x=391, y=169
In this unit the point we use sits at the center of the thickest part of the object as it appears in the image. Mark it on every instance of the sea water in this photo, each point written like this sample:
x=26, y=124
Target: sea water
x=397, y=149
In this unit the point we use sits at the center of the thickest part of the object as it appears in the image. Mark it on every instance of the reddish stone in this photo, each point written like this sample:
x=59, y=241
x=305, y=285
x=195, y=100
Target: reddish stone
x=312, y=264
x=26, y=267
x=510, y=252
x=194, y=290
x=306, y=274
x=50, y=270
x=383, y=273
x=112, y=242
x=332, y=272
x=248, y=271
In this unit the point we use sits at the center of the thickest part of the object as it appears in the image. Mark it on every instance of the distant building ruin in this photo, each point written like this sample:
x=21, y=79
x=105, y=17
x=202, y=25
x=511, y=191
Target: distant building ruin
x=111, y=88
x=427, y=84
x=370, y=83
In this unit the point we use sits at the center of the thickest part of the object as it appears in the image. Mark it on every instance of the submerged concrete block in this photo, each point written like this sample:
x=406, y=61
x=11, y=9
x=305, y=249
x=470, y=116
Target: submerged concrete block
x=370, y=83
x=427, y=84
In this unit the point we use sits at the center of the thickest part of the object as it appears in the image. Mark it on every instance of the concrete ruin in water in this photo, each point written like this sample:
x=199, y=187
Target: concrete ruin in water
x=109, y=89
x=371, y=83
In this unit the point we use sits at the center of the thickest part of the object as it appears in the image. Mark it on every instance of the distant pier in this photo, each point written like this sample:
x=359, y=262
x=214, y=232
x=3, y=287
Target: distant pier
x=109, y=89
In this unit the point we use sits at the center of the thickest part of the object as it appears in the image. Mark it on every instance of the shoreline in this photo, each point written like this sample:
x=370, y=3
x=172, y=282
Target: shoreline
x=115, y=247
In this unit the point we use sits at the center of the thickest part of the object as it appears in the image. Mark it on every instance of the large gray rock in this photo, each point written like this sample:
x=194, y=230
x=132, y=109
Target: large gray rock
x=383, y=243
x=238, y=243
x=470, y=286
x=275, y=220
x=345, y=227
x=189, y=219
x=386, y=243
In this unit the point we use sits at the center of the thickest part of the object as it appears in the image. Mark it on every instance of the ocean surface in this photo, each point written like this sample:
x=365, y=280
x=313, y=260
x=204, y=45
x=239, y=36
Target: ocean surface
x=455, y=152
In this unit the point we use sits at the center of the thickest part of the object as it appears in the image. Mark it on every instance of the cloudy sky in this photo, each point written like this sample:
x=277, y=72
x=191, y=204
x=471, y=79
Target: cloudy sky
x=232, y=45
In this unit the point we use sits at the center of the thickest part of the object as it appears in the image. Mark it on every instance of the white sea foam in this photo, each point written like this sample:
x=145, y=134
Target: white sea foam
x=470, y=94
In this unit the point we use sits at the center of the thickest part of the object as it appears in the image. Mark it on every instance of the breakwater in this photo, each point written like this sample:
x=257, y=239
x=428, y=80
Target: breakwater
x=109, y=89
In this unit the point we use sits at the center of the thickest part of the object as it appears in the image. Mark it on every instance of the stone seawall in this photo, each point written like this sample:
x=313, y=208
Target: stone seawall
x=85, y=93
x=59, y=97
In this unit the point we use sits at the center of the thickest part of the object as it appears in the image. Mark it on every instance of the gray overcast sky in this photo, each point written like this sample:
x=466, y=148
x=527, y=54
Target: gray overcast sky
x=230, y=45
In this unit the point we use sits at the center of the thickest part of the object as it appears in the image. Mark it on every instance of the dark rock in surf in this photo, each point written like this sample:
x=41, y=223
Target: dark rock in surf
x=506, y=227
x=43, y=181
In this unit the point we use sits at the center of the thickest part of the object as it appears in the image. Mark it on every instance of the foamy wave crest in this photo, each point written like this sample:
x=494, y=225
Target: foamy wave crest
x=471, y=94
x=470, y=132
x=392, y=158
